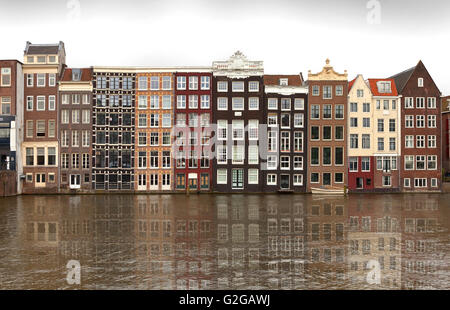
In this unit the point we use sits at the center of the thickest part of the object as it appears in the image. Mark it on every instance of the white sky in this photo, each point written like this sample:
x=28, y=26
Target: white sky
x=290, y=36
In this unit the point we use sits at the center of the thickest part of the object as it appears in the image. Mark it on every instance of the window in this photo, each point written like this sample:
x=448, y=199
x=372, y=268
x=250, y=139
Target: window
x=353, y=107
x=284, y=162
x=271, y=162
x=431, y=162
x=420, y=102
x=154, y=120
x=40, y=80
x=221, y=154
x=272, y=103
x=75, y=138
x=386, y=104
x=431, y=141
x=193, y=119
x=327, y=92
x=154, y=83
x=409, y=141
x=314, y=156
x=75, y=116
x=181, y=82
x=205, y=82
x=51, y=128
x=285, y=141
x=222, y=86
x=238, y=154
x=339, y=111
x=315, y=111
x=285, y=120
x=353, y=122
x=253, y=129
x=327, y=111
x=366, y=107
x=51, y=156
x=253, y=103
x=338, y=156
x=380, y=125
x=353, y=141
x=40, y=156
x=365, y=164
x=326, y=135
x=326, y=155
x=85, y=137
x=271, y=179
x=353, y=164
x=298, y=179
x=142, y=102
x=315, y=90
x=380, y=144
x=253, y=86
x=409, y=121
x=407, y=182
x=237, y=86
x=237, y=176
x=272, y=141
x=299, y=104
x=193, y=102
x=365, y=141
x=409, y=103
x=314, y=177
x=142, y=138
x=392, y=145
x=238, y=103
x=409, y=162
x=253, y=176
x=29, y=103
x=166, y=82
x=431, y=121
x=221, y=176
x=339, y=133
x=5, y=77
x=222, y=129
x=422, y=182
x=40, y=103
x=166, y=102
x=420, y=141
x=154, y=159
x=154, y=138
x=386, y=180
x=420, y=82
x=298, y=162
x=29, y=156
x=5, y=106
x=339, y=90
x=222, y=103
x=431, y=102
x=420, y=162
x=40, y=128
x=154, y=102
x=85, y=116
x=193, y=82
x=204, y=102
x=166, y=120
x=298, y=141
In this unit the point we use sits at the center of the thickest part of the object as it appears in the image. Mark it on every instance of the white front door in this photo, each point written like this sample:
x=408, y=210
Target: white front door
x=75, y=181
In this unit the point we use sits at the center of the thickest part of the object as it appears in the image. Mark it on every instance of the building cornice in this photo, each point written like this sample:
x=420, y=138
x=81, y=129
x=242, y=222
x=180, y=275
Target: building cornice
x=328, y=73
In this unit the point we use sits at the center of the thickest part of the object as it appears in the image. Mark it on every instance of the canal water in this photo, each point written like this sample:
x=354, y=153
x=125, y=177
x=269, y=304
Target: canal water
x=225, y=242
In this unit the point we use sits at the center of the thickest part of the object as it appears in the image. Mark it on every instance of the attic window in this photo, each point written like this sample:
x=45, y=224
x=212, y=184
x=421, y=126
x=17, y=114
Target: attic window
x=420, y=82
x=384, y=87
x=30, y=59
x=51, y=58
x=283, y=82
x=41, y=59
x=76, y=74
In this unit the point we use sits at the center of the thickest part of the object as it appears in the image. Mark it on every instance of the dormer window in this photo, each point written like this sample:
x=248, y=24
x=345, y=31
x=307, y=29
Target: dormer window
x=30, y=59
x=284, y=82
x=41, y=59
x=51, y=58
x=76, y=75
x=384, y=87
x=420, y=82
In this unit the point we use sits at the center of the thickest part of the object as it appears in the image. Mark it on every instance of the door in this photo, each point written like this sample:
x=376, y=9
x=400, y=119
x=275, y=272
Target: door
x=284, y=181
x=75, y=181
x=359, y=183
x=142, y=182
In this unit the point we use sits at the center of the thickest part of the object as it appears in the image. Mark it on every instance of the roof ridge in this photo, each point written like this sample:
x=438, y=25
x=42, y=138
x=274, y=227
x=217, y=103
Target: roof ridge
x=404, y=71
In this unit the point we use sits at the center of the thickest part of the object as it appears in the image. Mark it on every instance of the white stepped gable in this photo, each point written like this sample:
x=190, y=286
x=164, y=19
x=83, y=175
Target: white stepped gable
x=238, y=66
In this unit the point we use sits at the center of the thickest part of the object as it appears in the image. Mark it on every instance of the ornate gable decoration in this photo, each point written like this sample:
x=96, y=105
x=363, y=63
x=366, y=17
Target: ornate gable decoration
x=238, y=66
x=328, y=73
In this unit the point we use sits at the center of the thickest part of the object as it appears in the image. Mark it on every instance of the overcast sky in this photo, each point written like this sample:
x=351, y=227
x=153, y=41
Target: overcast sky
x=290, y=36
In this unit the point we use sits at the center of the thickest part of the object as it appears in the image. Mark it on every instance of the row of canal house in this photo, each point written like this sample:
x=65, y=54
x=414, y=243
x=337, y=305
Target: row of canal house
x=224, y=128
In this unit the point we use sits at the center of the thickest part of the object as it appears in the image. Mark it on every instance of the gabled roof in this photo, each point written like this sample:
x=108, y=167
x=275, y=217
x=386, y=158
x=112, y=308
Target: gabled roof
x=274, y=79
x=350, y=84
x=374, y=87
x=86, y=75
x=402, y=78
x=43, y=49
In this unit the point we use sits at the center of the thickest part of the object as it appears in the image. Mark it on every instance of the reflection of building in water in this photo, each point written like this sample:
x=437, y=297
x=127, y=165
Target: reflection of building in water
x=114, y=241
x=76, y=231
x=39, y=218
x=374, y=234
x=326, y=243
x=155, y=240
x=194, y=243
x=285, y=242
x=240, y=222
x=423, y=264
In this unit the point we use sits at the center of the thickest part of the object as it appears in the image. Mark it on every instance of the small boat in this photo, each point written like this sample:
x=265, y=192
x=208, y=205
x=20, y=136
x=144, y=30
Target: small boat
x=328, y=191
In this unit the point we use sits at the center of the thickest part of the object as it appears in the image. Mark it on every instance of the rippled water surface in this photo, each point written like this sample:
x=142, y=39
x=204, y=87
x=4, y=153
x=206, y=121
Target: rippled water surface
x=226, y=241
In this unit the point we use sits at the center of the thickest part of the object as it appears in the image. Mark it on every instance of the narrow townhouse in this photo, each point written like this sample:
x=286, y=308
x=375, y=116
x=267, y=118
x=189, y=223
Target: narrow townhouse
x=113, y=132
x=327, y=131
x=154, y=123
x=11, y=124
x=387, y=134
x=75, y=125
x=445, y=131
x=238, y=93
x=360, y=136
x=193, y=117
x=285, y=104
x=42, y=68
x=420, y=168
